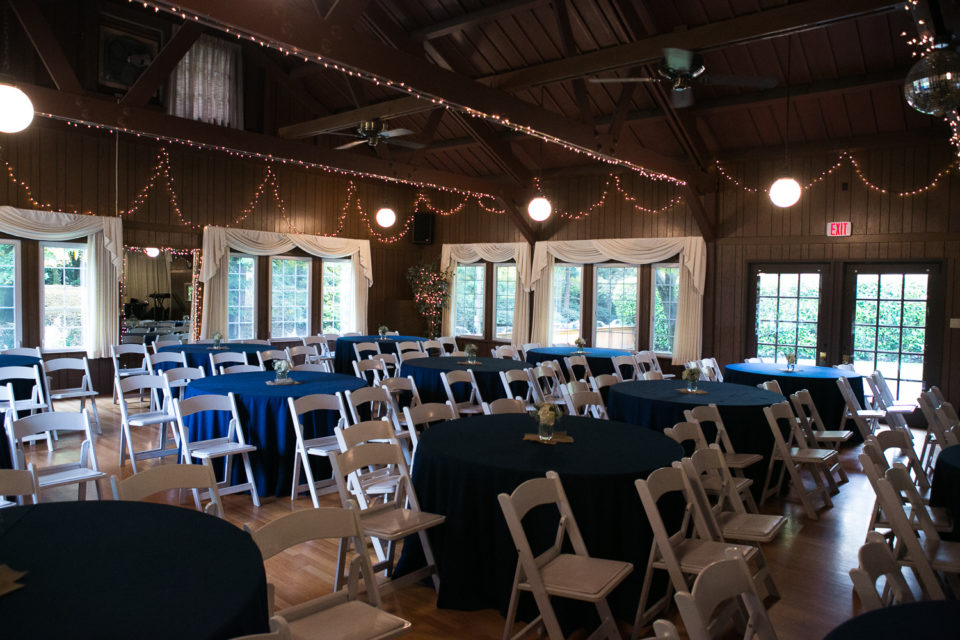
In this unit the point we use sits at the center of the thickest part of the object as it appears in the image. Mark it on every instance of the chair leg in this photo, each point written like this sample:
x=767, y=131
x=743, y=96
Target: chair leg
x=607, y=622
x=512, y=607
x=428, y=555
x=253, y=485
x=767, y=489
x=644, y=615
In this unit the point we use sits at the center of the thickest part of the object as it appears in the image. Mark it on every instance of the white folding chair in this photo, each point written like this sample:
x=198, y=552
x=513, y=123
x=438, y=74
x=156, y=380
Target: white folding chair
x=585, y=403
x=424, y=415
x=407, y=346
x=389, y=363
x=505, y=351
x=865, y=419
x=518, y=376
x=474, y=403
x=811, y=426
x=578, y=361
x=526, y=346
x=368, y=370
x=226, y=446
x=628, y=362
x=555, y=573
x=876, y=561
x=403, y=391
x=271, y=356
x=226, y=358
x=504, y=405
x=166, y=477
x=448, y=341
x=17, y=483
x=119, y=352
x=308, y=353
x=319, y=446
x=31, y=352
x=177, y=379
x=158, y=413
x=683, y=432
x=603, y=381
x=648, y=361
x=546, y=384
x=35, y=402
x=652, y=375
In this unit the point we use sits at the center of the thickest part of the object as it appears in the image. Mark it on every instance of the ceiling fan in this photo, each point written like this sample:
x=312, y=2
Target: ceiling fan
x=373, y=132
x=682, y=69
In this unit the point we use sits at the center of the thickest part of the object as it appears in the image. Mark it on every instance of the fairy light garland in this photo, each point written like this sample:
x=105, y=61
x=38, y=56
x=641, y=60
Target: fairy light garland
x=846, y=156
x=403, y=87
x=613, y=179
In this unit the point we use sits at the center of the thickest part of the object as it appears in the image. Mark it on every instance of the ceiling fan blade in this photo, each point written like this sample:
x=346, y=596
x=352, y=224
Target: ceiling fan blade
x=681, y=99
x=350, y=144
x=395, y=133
x=339, y=133
x=409, y=144
x=758, y=82
x=677, y=59
x=622, y=80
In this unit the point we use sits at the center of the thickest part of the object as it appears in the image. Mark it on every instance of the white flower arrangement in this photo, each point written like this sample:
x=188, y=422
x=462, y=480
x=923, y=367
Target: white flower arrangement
x=546, y=413
x=691, y=375
x=382, y=330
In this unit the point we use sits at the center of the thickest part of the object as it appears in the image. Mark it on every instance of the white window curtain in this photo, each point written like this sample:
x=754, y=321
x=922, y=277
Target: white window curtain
x=207, y=84
x=519, y=252
x=104, y=263
x=687, y=340
x=217, y=242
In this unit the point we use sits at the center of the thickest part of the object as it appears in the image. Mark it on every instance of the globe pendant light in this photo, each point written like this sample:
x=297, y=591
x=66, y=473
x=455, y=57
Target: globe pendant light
x=386, y=217
x=785, y=190
x=16, y=110
x=539, y=208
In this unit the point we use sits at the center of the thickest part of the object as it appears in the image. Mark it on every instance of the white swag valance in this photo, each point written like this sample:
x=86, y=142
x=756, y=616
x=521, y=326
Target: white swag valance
x=104, y=263
x=218, y=241
x=693, y=274
x=519, y=252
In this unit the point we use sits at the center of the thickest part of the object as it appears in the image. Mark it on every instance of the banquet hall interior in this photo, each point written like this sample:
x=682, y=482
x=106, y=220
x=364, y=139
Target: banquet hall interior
x=230, y=232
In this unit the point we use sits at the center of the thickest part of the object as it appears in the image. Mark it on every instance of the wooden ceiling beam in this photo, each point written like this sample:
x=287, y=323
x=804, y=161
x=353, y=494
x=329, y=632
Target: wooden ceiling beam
x=46, y=45
x=150, y=122
x=770, y=23
x=388, y=109
x=497, y=149
x=290, y=85
x=569, y=44
x=303, y=30
x=347, y=12
x=160, y=69
x=475, y=18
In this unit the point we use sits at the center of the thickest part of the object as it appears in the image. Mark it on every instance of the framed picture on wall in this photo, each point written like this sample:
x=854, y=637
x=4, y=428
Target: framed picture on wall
x=126, y=50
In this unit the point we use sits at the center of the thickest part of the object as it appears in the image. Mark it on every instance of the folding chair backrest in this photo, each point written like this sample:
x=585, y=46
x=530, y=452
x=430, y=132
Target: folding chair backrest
x=518, y=377
x=19, y=483
x=268, y=355
x=943, y=435
x=31, y=373
x=320, y=342
x=381, y=403
x=772, y=385
x=362, y=367
x=450, y=378
x=578, y=361
x=38, y=423
x=33, y=352
x=628, y=363
x=779, y=415
x=652, y=375
x=900, y=439
x=504, y=405
x=683, y=432
x=398, y=387
x=164, y=357
x=374, y=454
x=433, y=348
x=603, y=380
x=647, y=361
x=409, y=345
x=226, y=358
x=165, y=477
x=428, y=413
x=366, y=431
x=240, y=368
x=583, y=403
x=363, y=349
x=410, y=355
x=876, y=560
x=710, y=414
x=663, y=481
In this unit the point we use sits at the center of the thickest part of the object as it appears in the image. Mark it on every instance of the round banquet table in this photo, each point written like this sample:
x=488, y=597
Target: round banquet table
x=21, y=389
x=659, y=404
x=344, y=355
x=426, y=375
x=598, y=359
x=461, y=466
x=821, y=382
x=929, y=620
x=945, y=488
x=198, y=355
x=267, y=423
x=129, y=570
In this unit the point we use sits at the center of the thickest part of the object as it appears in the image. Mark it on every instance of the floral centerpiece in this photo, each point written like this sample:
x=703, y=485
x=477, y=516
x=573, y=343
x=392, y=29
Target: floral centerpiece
x=791, y=361
x=471, y=352
x=846, y=359
x=546, y=415
x=217, y=339
x=382, y=330
x=580, y=342
x=282, y=369
x=692, y=377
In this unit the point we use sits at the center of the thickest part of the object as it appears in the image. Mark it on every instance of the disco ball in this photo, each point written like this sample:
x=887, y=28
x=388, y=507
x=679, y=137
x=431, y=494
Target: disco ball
x=933, y=84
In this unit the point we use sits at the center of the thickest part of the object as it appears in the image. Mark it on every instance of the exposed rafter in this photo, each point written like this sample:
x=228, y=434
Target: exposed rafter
x=475, y=18
x=46, y=45
x=159, y=70
x=390, y=108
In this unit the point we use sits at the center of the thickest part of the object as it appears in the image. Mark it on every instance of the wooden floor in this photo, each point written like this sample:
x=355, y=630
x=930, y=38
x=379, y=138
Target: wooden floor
x=809, y=561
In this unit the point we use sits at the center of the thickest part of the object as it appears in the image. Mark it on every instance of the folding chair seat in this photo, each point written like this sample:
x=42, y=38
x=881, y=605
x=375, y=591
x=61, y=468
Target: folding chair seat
x=158, y=413
x=320, y=446
x=339, y=614
x=82, y=392
x=811, y=427
x=578, y=361
x=866, y=420
x=17, y=483
x=876, y=561
x=165, y=477
x=555, y=573
x=504, y=405
x=227, y=446
x=473, y=405
x=519, y=377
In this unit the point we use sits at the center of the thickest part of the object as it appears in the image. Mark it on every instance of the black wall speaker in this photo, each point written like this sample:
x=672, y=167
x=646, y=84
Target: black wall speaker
x=422, y=228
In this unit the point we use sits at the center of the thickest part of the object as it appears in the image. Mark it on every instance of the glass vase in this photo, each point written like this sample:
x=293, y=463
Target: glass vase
x=545, y=430
x=692, y=385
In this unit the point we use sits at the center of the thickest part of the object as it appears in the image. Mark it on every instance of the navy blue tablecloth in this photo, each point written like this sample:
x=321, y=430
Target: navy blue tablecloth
x=344, y=354
x=659, y=404
x=21, y=390
x=461, y=466
x=426, y=375
x=267, y=422
x=930, y=620
x=821, y=382
x=129, y=570
x=598, y=359
x=198, y=355
x=945, y=488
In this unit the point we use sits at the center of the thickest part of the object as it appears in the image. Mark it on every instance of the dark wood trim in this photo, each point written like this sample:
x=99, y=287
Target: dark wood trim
x=854, y=239
x=47, y=45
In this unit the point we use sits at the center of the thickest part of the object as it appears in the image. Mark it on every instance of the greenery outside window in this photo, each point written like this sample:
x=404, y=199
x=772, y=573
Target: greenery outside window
x=289, y=297
x=615, y=308
x=567, y=307
x=64, y=295
x=241, y=297
x=9, y=294
x=505, y=286
x=663, y=323
x=468, y=303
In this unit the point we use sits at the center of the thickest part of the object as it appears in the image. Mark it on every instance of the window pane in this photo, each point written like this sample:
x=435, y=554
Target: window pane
x=566, y=303
x=787, y=315
x=666, y=285
x=506, y=287
x=616, y=308
x=289, y=292
x=468, y=305
x=64, y=296
x=8, y=297
x=241, y=283
x=333, y=296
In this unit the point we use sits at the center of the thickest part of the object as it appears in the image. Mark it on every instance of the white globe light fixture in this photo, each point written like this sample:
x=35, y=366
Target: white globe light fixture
x=386, y=217
x=152, y=252
x=16, y=110
x=539, y=208
x=785, y=192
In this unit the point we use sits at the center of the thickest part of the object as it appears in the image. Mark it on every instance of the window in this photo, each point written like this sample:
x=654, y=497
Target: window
x=64, y=295
x=289, y=297
x=505, y=285
x=666, y=287
x=787, y=315
x=334, y=295
x=567, y=295
x=206, y=84
x=241, y=294
x=889, y=329
x=468, y=299
x=9, y=295
x=615, y=315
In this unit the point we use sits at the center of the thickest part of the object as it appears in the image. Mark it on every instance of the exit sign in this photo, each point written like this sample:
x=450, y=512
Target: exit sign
x=838, y=229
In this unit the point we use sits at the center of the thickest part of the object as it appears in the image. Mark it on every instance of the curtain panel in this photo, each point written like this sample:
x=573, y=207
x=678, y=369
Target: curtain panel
x=687, y=338
x=144, y=275
x=207, y=84
x=104, y=263
x=218, y=241
x=519, y=252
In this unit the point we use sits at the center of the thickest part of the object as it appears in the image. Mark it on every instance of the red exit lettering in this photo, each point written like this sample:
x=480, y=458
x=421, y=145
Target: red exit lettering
x=838, y=229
